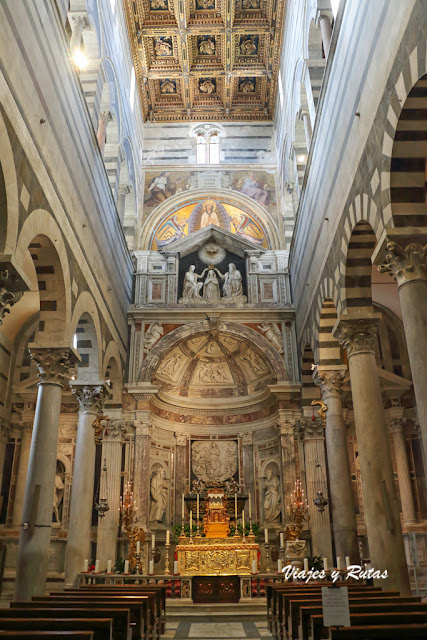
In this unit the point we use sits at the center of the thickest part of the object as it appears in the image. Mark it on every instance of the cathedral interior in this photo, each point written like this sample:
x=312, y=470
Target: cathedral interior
x=213, y=277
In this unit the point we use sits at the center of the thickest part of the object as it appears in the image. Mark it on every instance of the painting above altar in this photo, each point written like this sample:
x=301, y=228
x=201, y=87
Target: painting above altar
x=198, y=214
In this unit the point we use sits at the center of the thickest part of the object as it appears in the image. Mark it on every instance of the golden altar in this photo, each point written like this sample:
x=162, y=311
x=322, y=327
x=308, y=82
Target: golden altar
x=216, y=553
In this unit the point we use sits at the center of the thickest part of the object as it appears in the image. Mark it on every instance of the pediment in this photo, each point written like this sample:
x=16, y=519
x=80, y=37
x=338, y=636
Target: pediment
x=229, y=241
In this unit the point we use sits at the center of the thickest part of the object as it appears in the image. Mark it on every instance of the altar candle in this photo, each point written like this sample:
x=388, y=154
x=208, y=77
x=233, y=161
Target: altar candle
x=306, y=568
x=183, y=506
x=266, y=536
x=325, y=564
x=85, y=564
x=339, y=563
x=138, y=547
x=175, y=567
x=153, y=541
x=109, y=566
x=96, y=566
x=126, y=569
x=347, y=561
x=168, y=536
x=279, y=566
x=191, y=523
x=250, y=508
x=243, y=521
x=254, y=566
x=198, y=498
x=151, y=567
x=282, y=539
x=235, y=507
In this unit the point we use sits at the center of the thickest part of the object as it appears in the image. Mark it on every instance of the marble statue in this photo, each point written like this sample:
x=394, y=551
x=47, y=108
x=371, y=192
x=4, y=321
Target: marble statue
x=211, y=291
x=58, y=495
x=273, y=334
x=214, y=460
x=191, y=288
x=232, y=286
x=158, y=495
x=272, y=507
x=153, y=333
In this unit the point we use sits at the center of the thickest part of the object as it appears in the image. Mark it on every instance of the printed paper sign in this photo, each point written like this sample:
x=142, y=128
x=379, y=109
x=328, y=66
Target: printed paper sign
x=336, y=612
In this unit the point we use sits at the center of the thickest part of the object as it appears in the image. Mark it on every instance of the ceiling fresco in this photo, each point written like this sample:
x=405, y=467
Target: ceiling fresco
x=206, y=59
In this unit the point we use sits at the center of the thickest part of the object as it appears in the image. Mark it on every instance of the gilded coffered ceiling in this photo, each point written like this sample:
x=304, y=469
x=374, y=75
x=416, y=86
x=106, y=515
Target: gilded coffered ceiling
x=206, y=59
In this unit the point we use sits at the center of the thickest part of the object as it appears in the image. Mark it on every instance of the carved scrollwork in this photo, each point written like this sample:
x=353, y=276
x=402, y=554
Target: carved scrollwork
x=55, y=365
x=405, y=263
x=357, y=336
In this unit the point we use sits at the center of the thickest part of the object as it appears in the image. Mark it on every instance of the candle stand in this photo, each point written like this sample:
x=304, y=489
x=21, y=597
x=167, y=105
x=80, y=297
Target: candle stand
x=267, y=557
x=167, y=567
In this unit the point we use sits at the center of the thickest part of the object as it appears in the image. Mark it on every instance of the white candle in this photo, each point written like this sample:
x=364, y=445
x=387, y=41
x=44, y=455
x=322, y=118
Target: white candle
x=279, y=566
x=347, y=561
x=109, y=566
x=325, y=564
x=243, y=521
x=183, y=506
x=191, y=523
x=175, y=567
x=153, y=540
x=85, y=564
x=250, y=507
x=168, y=536
x=254, y=566
x=126, y=569
x=306, y=568
x=96, y=566
x=282, y=539
x=235, y=507
x=266, y=536
x=138, y=547
x=151, y=569
x=198, y=498
x=339, y=563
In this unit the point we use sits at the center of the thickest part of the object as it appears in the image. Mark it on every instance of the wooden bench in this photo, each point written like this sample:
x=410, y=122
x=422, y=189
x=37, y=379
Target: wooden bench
x=407, y=603
x=318, y=631
x=119, y=616
x=47, y=635
x=140, y=613
x=383, y=632
x=102, y=627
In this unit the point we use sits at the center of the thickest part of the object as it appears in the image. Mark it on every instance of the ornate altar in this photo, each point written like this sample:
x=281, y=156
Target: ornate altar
x=215, y=554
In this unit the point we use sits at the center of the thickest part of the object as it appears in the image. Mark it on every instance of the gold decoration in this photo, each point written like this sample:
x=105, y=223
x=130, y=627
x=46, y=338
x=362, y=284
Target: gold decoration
x=135, y=534
x=322, y=411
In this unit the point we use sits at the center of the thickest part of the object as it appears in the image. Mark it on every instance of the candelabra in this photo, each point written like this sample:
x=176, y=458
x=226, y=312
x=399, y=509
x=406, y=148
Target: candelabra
x=298, y=508
x=128, y=518
x=267, y=557
x=282, y=551
x=167, y=567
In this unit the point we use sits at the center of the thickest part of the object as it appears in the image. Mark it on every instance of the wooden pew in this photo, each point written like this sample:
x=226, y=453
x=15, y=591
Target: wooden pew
x=406, y=603
x=47, y=635
x=384, y=632
x=102, y=627
x=141, y=607
x=372, y=620
x=120, y=617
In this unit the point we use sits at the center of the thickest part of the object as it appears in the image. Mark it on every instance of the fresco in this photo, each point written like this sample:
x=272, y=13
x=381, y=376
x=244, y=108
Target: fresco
x=258, y=185
x=197, y=215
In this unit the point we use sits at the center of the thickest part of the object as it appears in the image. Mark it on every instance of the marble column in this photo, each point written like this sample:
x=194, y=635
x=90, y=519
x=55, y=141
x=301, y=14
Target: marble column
x=91, y=400
x=181, y=472
x=406, y=261
x=285, y=429
x=141, y=480
x=358, y=335
x=314, y=439
x=77, y=23
x=247, y=440
x=124, y=190
x=305, y=117
x=329, y=379
x=108, y=526
x=54, y=367
x=4, y=437
x=104, y=118
x=402, y=468
x=24, y=455
x=323, y=22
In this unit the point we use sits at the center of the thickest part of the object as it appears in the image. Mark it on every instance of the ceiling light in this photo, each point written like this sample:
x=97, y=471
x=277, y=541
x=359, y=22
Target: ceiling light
x=80, y=59
x=301, y=158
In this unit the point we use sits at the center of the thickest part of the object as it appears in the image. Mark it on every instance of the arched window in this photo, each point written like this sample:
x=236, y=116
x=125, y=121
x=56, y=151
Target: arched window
x=214, y=148
x=207, y=143
x=201, y=149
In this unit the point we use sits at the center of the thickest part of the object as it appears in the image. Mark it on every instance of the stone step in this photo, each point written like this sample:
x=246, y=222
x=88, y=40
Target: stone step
x=252, y=610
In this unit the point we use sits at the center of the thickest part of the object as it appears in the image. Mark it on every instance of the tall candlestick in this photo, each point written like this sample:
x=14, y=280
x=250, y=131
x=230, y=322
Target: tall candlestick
x=243, y=521
x=250, y=507
x=153, y=541
x=198, y=498
x=235, y=507
x=191, y=523
x=183, y=506
x=168, y=536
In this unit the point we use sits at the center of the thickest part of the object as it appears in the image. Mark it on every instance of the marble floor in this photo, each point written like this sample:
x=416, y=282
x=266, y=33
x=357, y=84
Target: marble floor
x=231, y=628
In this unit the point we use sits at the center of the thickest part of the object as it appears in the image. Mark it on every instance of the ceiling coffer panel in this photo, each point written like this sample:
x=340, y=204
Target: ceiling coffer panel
x=206, y=60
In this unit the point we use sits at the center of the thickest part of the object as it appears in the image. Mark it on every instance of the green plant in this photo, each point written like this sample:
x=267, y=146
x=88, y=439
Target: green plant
x=316, y=563
x=120, y=565
x=255, y=529
x=177, y=529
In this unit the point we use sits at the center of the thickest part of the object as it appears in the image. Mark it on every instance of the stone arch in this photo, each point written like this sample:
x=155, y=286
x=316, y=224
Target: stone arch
x=165, y=344
x=112, y=371
x=358, y=267
x=86, y=328
x=237, y=199
x=41, y=236
x=309, y=391
x=9, y=197
x=329, y=350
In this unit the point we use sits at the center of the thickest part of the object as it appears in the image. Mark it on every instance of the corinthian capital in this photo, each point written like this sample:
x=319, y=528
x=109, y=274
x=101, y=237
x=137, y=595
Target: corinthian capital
x=105, y=116
x=12, y=286
x=90, y=396
x=142, y=428
x=55, y=364
x=405, y=261
x=329, y=380
x=357, y=334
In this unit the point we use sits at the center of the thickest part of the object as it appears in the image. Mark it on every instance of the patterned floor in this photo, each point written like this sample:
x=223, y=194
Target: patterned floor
x=227, y=629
